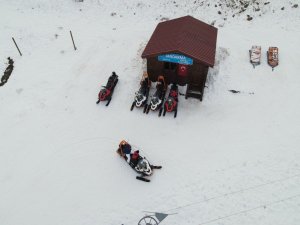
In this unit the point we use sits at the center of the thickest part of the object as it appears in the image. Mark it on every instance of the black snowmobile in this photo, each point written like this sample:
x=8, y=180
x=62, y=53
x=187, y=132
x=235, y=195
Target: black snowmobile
x=157, y=99
x=137, y=162
x=171, y=103
x=7, y=71
x=141, y=97
x=106, y=92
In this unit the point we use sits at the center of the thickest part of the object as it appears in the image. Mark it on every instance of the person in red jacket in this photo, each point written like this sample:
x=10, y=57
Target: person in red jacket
x=134, y=158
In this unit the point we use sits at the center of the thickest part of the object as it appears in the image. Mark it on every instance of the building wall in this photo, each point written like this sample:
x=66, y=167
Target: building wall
x=196, y=73
x=154, y=68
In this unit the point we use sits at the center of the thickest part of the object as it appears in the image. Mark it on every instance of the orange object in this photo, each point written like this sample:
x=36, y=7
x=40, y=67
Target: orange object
x=123, y=142
x=161, y=79
x=273, y=56
x=119, y=151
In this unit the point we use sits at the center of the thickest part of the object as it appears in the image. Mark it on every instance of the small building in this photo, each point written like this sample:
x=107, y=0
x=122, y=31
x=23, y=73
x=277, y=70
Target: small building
x=182, y=50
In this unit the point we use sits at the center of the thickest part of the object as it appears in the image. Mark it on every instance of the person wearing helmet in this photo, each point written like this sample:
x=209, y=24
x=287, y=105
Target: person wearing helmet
x=134, y=158
x=10, y=61
x=124, y=149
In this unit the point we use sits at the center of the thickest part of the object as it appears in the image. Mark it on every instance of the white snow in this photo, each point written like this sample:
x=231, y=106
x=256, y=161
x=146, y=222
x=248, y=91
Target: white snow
x=228, y=160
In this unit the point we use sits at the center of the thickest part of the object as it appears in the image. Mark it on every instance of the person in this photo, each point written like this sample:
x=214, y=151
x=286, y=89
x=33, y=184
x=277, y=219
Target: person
x=145, y=79
x=111, y=81
x=10, y=61
x=134, y=158
x=124, y=149
x=161, y=81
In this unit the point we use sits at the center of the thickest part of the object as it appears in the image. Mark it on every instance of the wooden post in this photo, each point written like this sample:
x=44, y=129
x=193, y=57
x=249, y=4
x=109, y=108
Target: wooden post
x=73, y=41
x=17, y=46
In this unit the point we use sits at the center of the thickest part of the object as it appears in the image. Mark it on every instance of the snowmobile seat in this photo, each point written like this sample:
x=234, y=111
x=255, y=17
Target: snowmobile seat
x=103, y=94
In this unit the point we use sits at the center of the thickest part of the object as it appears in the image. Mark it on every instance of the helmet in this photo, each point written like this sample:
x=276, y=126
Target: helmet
x=123, y=142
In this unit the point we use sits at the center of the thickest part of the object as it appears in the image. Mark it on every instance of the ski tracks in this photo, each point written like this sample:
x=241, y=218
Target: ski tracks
x=235, y=190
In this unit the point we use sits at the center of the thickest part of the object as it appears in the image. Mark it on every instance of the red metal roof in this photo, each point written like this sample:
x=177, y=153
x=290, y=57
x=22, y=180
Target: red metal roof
x=186, y=35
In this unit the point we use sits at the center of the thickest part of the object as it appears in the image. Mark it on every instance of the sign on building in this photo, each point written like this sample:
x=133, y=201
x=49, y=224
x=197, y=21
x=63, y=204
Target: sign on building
x=176, y=58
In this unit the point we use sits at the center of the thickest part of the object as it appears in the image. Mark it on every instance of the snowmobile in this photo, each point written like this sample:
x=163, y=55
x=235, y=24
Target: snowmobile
x=255, y=55
x=137, y=161
x=157, y=99
x=7, y=71
x=172, y=101
x=272, y=55
x=106, y=92
x=141, y=96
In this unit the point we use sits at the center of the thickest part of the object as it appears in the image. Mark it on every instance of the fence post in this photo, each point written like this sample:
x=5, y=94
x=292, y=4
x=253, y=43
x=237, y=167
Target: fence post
x=73, y=41
x=17, y=46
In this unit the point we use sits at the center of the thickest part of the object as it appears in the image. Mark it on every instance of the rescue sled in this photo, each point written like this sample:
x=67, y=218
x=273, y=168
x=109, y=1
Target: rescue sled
x=255, y=55
x=107, y=91
x=136, y=160
x=272, y=55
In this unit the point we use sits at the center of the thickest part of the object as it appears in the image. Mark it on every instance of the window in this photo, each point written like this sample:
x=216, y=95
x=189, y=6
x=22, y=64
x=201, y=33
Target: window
x=170, y=66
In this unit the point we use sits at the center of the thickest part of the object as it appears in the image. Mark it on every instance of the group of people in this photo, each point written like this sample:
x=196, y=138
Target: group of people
x=125, y=151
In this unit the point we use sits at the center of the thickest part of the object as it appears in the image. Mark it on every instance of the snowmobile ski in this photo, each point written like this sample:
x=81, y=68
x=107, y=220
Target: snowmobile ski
x=156, y=167
x=142, y=179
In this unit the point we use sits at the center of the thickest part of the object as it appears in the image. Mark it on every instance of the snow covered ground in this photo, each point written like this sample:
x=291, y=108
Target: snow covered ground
x=232, y=159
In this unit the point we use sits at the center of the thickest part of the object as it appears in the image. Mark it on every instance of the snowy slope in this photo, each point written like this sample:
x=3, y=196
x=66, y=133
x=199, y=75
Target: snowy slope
x=230, y=159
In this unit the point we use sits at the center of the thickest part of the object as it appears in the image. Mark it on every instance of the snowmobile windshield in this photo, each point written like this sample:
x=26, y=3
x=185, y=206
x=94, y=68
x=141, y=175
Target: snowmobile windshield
x=139, y=97
x=143, y=167
x=142, y=164
x=155, y=100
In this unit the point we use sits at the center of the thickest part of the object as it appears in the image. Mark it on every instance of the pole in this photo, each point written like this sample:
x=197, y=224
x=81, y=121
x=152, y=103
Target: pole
x=17, y=46
x=73, y=41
